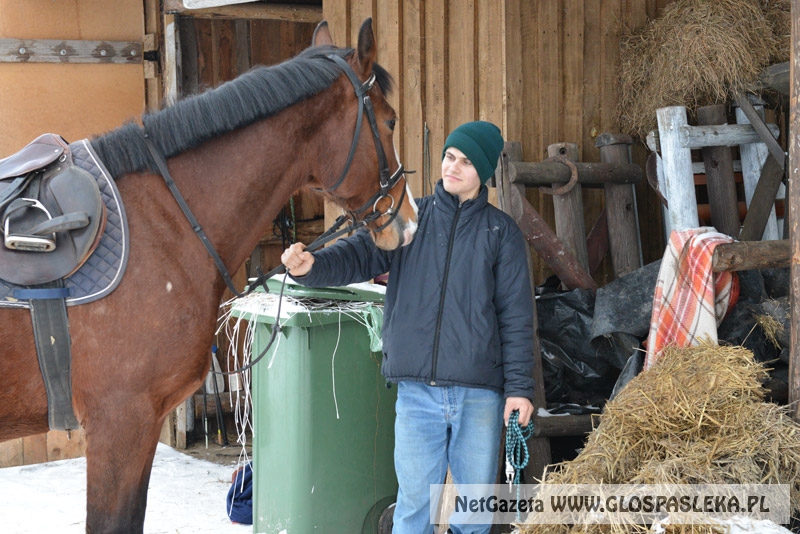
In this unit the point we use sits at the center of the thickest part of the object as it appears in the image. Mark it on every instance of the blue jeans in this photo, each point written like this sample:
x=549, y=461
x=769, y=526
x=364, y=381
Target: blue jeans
x=437, y=426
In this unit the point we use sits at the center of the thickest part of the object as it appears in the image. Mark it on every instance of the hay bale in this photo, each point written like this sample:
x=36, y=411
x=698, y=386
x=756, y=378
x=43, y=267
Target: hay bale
x=695, y=53
x=698, y=416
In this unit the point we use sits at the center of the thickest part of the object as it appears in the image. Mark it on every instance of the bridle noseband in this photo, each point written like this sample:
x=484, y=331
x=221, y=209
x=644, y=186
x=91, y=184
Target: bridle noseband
x=387, y=182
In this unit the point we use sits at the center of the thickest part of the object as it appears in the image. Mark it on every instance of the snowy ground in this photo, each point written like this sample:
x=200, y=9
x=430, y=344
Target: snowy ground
x=186, y=496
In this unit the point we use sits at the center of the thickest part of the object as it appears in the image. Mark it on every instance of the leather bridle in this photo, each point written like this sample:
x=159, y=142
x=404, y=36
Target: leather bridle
x=387, y=182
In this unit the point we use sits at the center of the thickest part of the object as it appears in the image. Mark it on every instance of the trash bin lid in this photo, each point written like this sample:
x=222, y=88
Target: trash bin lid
x=263, y=307
x=356, y=292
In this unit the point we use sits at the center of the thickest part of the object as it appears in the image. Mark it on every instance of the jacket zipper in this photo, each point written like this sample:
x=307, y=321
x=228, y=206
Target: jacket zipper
x=441, y=298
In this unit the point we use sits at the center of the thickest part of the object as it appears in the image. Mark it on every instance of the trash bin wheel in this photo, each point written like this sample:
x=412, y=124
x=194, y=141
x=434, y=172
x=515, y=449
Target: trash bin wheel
x=386, y=521
x=379, y=517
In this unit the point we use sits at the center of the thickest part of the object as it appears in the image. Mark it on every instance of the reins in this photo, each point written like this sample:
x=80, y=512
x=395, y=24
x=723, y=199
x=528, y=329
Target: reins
x=387, y=182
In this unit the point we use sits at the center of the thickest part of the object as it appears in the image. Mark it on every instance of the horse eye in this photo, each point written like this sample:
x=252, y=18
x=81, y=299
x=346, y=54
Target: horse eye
x=391, y=123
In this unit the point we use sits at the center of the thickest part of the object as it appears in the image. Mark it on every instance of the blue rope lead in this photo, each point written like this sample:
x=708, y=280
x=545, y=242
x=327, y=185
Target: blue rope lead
x=517, y=448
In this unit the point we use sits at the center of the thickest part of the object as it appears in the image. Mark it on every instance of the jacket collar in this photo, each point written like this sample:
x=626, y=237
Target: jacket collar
x=449, y=203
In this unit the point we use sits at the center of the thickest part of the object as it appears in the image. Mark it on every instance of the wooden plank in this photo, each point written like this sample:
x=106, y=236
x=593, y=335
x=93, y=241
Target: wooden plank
x=568, y=209
x=561, y=425
x=572, y=80
x=204, y=30
x=719, y=176
x=201, y=4
x=265, y=42
x=756, y=118
x=597, y=242
x=188, y=76
x=69, y=51
x=793, y=198
x=338, y=16
x=623, y=230
x=593, y=74
x=11, y=453
x=761, y=210
x=489, y=60
x=462, y=89
x=412, y=122
x=226, y=51
x=514, y=104
x=754, y=155
x=388, y=20
x=436, y=103
x=694, y=137
x=62, y=445
x=776, y=77
x=34, y=449
x=242, y=46
x=678, y=175
x=253, y=10
x=153, y=30
x=549, y=90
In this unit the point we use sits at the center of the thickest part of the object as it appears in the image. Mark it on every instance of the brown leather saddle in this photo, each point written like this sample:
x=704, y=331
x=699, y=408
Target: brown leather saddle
x=52, y=213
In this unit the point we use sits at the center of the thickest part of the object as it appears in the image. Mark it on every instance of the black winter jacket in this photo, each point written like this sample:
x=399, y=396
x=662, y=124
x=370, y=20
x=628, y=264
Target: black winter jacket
x=458, y=308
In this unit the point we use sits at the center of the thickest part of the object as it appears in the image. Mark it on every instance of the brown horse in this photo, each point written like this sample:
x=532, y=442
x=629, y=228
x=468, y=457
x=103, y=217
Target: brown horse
x=237, y=153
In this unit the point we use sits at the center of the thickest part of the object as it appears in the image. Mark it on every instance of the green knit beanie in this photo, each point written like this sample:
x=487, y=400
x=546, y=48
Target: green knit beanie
x=481, y=142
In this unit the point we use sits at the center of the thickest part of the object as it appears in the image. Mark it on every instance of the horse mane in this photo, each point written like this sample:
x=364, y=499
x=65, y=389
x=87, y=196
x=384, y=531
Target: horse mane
x=256, y=94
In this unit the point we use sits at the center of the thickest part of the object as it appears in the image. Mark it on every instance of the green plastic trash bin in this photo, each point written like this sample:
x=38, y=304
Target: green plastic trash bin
x=323, y=418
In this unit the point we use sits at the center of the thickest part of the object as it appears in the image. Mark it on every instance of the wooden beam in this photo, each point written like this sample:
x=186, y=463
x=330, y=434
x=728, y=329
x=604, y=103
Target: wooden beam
x=561, y=425
x=253, y=10
x=764, y=133
x=746, y=255
x=762, y=205
x=721, y=135
x=547, y=173
x=69, y=51
x=793, y=197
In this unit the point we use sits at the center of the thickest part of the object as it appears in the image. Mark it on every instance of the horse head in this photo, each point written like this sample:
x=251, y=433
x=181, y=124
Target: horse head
x=370, y=182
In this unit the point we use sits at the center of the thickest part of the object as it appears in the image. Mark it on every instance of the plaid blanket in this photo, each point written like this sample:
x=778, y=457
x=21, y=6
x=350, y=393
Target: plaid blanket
x=690, y=300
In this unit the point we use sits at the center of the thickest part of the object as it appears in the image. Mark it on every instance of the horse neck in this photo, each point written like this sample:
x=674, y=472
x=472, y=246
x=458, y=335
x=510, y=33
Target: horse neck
x=238, y=183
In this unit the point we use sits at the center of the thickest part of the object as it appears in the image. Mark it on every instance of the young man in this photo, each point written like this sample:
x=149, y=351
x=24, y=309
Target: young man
x=457, y=330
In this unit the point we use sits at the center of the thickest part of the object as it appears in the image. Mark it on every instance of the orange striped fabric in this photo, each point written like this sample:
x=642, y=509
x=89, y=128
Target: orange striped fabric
x=690, y=300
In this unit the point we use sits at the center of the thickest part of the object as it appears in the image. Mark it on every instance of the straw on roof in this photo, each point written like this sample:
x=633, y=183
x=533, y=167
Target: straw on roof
x=698, y=416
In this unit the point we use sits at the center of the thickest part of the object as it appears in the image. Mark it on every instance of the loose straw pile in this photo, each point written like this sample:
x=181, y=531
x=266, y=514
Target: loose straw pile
x=698, y=416
x=695, y=53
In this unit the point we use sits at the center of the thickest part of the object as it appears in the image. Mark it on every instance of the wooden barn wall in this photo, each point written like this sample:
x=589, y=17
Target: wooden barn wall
x=544, y=71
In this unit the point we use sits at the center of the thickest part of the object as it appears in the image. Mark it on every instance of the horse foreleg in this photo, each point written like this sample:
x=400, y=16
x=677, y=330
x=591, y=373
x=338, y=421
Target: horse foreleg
x=119, y=458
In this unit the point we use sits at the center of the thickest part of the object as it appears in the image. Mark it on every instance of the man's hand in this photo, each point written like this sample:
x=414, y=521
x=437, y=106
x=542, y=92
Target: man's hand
x=296, y=260
x=524, y=406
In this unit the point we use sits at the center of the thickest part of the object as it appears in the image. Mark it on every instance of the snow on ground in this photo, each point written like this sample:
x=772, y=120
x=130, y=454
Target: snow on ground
x=186, y=496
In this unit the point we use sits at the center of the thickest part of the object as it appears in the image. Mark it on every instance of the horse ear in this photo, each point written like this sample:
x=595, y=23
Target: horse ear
x=366, y=47
x=322, y=35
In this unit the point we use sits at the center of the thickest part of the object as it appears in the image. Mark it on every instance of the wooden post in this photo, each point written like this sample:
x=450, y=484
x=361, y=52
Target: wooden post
x=538, y=448
x=623, y=228
x=793, y=196
x=568, y=209
x=753, y=156
x=719, y=176
x=540, y=236
x=677, y=169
